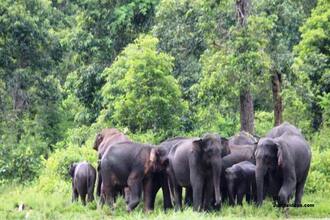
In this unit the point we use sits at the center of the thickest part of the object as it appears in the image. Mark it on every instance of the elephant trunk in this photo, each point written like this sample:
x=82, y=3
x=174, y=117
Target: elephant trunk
x=231, y=191
x=216, y=170
x=260, y=174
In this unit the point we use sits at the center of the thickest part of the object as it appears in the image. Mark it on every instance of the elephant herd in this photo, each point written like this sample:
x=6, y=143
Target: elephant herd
x=211, y=169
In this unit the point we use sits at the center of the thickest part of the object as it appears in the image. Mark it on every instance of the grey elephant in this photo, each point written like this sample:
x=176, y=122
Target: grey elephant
x=284, y=157
x=241, y=182
x=83, y=181
x=104, y=140
x=196, y=163
x=131, y=165
x=242, y=147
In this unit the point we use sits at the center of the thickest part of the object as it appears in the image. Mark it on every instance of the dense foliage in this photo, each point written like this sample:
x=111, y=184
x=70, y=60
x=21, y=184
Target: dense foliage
x=155, y=69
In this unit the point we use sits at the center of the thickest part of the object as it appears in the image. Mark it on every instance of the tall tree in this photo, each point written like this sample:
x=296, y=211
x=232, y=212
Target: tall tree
x=312, y=58
x=246, y=99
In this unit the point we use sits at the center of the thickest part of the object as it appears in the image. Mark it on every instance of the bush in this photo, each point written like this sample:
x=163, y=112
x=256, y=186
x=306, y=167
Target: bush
x=21, y=161
x=264, y=122
x=55, y=171
x=316, y=182
x=145, y=95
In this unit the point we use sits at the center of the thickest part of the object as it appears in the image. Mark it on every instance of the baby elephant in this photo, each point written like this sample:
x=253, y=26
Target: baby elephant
x=83, y=180
x=241, y=181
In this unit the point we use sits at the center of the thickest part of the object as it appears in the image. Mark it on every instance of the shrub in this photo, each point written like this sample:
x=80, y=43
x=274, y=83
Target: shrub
x=55, y=171
x=264, y=122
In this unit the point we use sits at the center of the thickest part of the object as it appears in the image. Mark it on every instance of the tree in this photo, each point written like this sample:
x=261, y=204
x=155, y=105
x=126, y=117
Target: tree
x=288, y=17
x=312, y=57
x=239, y=64
x=144, y=96
x=177, y=28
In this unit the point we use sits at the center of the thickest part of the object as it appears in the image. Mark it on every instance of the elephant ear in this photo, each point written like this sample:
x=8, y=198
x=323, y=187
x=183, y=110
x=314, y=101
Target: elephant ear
x=153, y=155
x=156, y=163
x=225, y=145
x=279, y=155
x=72, y=169
x=98, y=140
x=199, y=144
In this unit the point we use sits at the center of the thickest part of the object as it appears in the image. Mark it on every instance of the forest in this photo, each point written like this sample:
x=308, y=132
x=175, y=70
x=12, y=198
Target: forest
x=155, y=69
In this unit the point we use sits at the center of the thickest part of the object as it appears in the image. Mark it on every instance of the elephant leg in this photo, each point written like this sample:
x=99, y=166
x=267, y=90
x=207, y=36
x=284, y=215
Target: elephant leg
x=90, y=190
x=299, y=191
x=83, y=198
x=74, y=195
x=134, y=183
x=208, y=195
x=223, y=188
x=248, y=193
x=240, y=193
x=248, y=197
x=174, y=190
x=99, y=181
x=127, y=195
x=286, y=190
x=108, y=193
x=166, y=193
x=189, y=197
x=254, y=191
x=197, y=187
x=150, y=188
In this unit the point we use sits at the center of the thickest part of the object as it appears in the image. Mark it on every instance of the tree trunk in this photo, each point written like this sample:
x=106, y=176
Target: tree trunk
x=277, y=99
x=247, y=112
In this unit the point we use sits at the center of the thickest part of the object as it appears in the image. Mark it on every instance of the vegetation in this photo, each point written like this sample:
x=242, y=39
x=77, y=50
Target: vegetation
x=154, y=69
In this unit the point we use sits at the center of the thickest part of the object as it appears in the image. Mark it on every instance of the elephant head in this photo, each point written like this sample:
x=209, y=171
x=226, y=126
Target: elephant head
x=72, y=169
x=231, y=177
x=158, y=160
x=212, y=148
x=269, y=157
x=107, y=132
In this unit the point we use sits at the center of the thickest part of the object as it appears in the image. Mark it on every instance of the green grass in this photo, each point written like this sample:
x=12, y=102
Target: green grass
x=57, y=205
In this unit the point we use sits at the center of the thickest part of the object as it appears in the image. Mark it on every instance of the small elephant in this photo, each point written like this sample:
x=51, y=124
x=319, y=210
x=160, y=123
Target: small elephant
x=227, y=162
x=285, y=161
x=196, y=163
x=241, y=181
x=83, y=180
x=104, y=140
x=131, y=165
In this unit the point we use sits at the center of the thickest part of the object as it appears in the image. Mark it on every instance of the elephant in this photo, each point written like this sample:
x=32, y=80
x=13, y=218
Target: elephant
x=196, y=163
x=228, y=161
x=285, y=161
x=160, y=179
x=241, y=181
x=83, y=180
x=242, y=147
x=285, y=127
x=243, y=138
x=105, y=139
x=131, y=165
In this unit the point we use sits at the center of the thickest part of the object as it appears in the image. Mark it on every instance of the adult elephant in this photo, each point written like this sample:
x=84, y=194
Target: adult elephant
x=105, y=139
x=285, y=160
x=131, y=165
x=159, y=180
x=243, y=138
x=285, y=127
x=196, y=163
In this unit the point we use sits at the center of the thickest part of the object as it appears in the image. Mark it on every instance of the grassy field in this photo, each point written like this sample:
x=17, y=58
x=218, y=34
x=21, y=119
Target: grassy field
x=57, y=205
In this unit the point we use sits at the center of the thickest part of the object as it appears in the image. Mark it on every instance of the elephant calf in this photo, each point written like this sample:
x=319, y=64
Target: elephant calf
x=83, y=180
x=241, y=181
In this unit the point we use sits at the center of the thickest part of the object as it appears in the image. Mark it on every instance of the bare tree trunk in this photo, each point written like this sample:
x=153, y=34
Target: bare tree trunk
x=247, y=111
x=277, y=99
